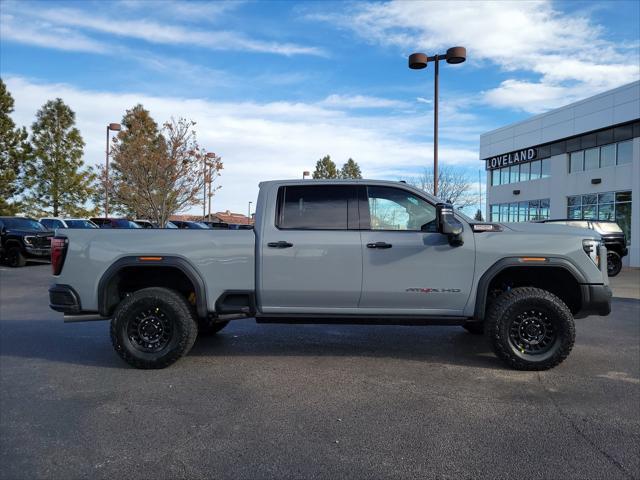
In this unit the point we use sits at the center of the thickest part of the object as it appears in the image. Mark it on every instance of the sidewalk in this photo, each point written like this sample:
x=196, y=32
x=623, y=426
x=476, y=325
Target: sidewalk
x=627, y=283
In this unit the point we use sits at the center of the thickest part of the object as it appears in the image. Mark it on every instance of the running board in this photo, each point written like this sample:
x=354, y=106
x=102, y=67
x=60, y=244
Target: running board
x=84, y=318
x=358, y=320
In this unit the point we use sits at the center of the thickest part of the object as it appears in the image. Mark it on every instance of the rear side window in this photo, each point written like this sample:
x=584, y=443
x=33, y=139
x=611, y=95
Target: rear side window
x=316, y=207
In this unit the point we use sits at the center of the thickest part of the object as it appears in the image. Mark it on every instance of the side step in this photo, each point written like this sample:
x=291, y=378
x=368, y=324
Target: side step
x=357, y=320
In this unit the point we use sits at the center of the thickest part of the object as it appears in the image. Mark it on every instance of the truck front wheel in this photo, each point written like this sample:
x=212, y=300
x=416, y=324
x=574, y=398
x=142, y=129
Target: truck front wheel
x=15, y=258
x=153, y=328
x=614, y=263
x=530, y=329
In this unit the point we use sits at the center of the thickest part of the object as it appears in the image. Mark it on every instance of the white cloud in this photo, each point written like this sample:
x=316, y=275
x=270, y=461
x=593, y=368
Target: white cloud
x=568, y=52
x=261, y=141
x=45, y=35
x=159, y=33
x=361, y=101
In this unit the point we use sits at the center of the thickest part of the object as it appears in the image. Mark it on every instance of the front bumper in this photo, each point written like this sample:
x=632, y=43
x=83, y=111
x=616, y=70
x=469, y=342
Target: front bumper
x=43, y=253
x=596, y=301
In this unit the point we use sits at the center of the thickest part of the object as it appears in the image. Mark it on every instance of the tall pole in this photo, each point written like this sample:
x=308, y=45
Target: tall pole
x=209, y=182
x=106, y=185
x=204, y=189
x=480, y=190
x=435, y=128
x=249, y=213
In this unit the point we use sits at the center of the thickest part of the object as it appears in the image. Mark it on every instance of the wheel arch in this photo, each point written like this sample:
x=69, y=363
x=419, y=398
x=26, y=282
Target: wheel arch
x=148, y=270
x=515, y=264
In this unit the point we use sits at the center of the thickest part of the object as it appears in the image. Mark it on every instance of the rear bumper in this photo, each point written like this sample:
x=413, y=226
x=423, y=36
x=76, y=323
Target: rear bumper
x=63, y=298
x=596, y=301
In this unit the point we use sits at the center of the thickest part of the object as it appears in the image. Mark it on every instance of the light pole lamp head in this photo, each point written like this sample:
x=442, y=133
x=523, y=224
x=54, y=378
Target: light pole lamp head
x=115, y=127
x=418, y=61
x=456, y=55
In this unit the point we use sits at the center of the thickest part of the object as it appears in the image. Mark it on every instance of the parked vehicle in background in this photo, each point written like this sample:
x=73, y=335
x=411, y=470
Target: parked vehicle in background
x=612, y=235
x=51, y=223
x=228, y=226
x=341, y=251
x=182, y=224
x=24, y=239
x=150, y=224
x=114, y=223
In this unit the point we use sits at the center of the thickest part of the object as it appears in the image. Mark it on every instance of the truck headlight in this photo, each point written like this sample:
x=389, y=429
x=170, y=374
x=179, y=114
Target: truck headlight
x=28, y=240
x=592, y=248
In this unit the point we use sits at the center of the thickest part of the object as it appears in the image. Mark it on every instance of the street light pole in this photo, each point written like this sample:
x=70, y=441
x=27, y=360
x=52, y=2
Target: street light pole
x=114, y=127
x=249, y=213
x=419, y=61
x=204, y=184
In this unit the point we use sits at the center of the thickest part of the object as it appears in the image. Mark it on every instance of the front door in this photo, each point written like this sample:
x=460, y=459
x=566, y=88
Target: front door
x=312, y=254
x=407, y=265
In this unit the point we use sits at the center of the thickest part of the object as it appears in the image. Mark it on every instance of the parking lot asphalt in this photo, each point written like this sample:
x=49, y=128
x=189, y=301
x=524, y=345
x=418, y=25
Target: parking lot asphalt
x=282, y=401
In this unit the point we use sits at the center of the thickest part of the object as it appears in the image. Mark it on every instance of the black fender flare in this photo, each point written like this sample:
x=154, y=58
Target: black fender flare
x=482, y=289
x=165, y=261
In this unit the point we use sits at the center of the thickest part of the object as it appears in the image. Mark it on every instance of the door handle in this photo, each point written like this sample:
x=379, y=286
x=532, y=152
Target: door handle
x=379, y=245
x=280, y=244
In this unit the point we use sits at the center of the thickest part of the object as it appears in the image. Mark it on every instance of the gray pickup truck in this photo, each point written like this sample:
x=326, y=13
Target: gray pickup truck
x=358, y=252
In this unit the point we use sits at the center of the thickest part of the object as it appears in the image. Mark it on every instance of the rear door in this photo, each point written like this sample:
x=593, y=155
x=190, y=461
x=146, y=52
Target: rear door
x=311, y=252
x=408, y=267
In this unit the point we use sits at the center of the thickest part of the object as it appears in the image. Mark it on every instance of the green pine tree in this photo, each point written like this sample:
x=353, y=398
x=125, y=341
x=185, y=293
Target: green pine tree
x=15, y=155
x=478, y=216
x=58, y=182
x=325, y=168
x=350, y=170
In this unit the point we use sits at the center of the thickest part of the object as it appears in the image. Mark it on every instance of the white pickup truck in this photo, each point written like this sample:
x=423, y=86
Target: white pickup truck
x=336, y=252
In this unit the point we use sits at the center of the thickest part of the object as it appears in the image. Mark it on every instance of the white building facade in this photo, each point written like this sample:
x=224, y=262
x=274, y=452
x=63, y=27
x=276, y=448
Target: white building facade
x=579, y=161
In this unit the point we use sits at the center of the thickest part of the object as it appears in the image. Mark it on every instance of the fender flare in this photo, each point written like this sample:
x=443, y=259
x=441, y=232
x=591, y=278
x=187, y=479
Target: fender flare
x=166, y=261
x=482, y=289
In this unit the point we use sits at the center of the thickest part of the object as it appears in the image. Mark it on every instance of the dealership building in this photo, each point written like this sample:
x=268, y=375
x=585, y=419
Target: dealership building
x=580, y=161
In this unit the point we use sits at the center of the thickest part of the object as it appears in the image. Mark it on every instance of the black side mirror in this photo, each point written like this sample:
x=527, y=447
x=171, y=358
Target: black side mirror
x=448, y=224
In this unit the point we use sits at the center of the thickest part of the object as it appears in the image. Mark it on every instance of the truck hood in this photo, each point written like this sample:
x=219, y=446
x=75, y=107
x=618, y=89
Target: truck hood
x=35, y=233
x=548, y=228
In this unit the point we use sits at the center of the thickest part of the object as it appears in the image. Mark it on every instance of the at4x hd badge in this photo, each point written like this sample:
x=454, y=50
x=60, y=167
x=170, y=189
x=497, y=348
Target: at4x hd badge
x=433, y=290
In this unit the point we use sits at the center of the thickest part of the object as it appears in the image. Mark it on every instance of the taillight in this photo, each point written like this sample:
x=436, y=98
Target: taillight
x=58, y=253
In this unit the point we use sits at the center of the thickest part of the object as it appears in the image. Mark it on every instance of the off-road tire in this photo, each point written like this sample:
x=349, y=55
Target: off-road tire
x=178, y=314
x=614, y=263
x=476, y=328
x=15, y=258
x=207, y=328
x=520, y=302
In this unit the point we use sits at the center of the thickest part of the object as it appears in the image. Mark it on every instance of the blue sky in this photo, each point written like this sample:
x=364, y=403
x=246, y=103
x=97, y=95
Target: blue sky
x=274, y=86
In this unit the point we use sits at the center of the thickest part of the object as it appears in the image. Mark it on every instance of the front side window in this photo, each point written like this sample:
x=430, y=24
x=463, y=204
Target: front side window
x=315, y=207
x=396, y=209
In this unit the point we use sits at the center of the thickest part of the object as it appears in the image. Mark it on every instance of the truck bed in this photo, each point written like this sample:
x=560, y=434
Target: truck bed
x=226, y=258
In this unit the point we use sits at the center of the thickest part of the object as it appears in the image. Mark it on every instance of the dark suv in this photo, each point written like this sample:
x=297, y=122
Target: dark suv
x=612, y=235
x=22, y=240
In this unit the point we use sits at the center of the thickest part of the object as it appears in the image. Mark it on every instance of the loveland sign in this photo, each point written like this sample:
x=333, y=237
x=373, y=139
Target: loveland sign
x=513, y=158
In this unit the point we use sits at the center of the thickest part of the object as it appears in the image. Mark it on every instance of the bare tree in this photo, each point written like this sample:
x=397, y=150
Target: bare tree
x=454, y=185
x=158, y=173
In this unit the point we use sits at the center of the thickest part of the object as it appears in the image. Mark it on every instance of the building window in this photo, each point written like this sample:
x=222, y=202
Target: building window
x=521, y=211
x=599, y=157
x=625, y=152
x=615, y=206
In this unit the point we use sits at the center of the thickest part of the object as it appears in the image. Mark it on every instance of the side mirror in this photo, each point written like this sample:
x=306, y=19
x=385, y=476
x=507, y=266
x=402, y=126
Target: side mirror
x=448, y=224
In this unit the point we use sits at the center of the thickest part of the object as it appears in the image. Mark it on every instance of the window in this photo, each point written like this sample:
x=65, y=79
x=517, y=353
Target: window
x=614, y=206
x=318, y=207
x=504, y=176
x=514, y=173
x=520, y=212
x=495, y=177
x=592, y=159
x=546, y=168
x=608, y=155
x=535, y=170
x=625, y=152
x=525, y=170
x=576, y=164
x=396, y=209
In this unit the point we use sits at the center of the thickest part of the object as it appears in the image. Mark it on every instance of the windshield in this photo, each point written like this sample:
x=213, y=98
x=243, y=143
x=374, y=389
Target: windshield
x=170, y=225
x=198, y=225
x=122, y=223
x=80, y=224
x=23, y=224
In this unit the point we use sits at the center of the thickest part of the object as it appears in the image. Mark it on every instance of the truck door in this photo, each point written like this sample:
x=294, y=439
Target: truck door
x=407, y=265
x=311, y=254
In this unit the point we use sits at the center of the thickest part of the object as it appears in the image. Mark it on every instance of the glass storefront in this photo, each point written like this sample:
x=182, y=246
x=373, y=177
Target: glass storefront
x=528, y=211
x=615, y=206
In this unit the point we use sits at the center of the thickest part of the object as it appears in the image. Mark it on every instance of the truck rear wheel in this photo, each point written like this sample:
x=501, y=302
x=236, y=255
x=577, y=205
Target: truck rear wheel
x=153, y=328
x=614, y=263
x=530, y=329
